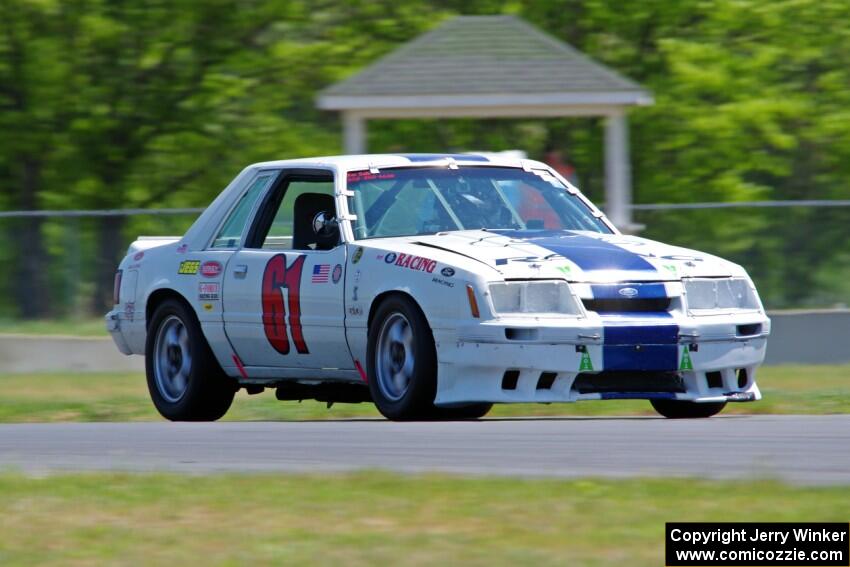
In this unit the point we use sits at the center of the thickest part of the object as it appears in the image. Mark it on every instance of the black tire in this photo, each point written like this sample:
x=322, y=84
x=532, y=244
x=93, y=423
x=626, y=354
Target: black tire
x=416, y=399
x=208, y=391
x=470, y=411
x=678, y=409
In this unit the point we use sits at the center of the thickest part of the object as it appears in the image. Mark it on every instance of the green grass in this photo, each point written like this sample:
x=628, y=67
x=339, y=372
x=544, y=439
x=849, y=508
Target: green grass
x=373, y=518
x=89, y=327
x=120, y=397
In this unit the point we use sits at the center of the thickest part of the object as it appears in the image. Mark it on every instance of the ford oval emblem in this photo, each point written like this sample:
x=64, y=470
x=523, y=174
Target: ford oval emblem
x=628, y=292
x=447, y=272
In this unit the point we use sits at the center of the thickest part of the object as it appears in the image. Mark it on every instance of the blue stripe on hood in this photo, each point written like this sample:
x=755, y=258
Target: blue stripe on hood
x=586, y=252
x=435, y=157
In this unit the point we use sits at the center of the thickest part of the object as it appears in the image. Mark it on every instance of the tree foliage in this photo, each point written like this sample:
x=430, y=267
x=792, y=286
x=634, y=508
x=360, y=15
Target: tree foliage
x=148, y=104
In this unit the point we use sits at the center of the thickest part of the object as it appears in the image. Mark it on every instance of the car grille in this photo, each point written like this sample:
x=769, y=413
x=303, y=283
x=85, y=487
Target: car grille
x=627, y=305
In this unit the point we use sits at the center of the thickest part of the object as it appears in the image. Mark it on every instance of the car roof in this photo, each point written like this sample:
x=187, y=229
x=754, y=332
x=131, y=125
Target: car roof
x=365, y=161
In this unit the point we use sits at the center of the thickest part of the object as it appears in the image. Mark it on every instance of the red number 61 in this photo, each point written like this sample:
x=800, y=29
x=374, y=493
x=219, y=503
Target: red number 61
x=276, y=277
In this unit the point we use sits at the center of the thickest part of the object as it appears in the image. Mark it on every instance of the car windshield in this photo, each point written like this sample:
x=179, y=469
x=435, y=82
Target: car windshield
x=413, y=201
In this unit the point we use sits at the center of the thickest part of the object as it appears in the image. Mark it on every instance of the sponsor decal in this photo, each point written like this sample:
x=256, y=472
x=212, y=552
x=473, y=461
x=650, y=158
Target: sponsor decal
x=211, y=269
x=189, y=267
x=627, y=291
x=447, y=272
x=182, y=248
x=208, y=306
x=566, y=270
x=670, y=268
x=355, y=176
x=380, y=256
x=277, y=277
x=130, y=310
x=354, y=294
x=337, y=273
x=416, y=263
x=357, y=276
x=441, y=281
x=355, y=311
x=357, y=255
x=139, y=256
x=209, y=291
x=586, y=365
x=686, y=360
x=320, y=273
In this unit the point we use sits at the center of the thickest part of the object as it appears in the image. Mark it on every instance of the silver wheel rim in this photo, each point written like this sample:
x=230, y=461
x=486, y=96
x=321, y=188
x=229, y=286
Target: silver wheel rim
x=172, y=360
x=395, y=357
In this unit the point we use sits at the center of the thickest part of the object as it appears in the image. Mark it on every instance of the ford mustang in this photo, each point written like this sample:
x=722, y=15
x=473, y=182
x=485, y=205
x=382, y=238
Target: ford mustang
x=433, y=286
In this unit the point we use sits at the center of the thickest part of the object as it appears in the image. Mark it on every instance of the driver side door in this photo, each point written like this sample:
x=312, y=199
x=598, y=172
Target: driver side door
x=283, y=291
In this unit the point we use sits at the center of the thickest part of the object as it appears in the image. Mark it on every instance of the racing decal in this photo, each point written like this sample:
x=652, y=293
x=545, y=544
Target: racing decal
x=366, y=175
x=355, y=311
x=276, y=277
x=357, y=255
x=586, y=252
x=211, y=269
x=209, y=291
x=208, y=307
x=130, y=310
x=139, y=256
x=189, y=267
x=686, y=360
x=320, y=273
x=441, y=281
x=447, y=272
x=182, y=248
x=354, y=294
x=416, y=263
x=337, y=273
x=586, y=365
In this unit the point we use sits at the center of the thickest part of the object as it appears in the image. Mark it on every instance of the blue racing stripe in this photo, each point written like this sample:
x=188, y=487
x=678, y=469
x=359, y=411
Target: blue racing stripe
x=435, y=157
x=641, y=334
x=586, y=252
x=628, y=345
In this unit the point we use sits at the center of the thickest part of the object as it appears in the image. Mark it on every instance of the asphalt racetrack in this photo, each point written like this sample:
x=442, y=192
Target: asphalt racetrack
x=797, y=449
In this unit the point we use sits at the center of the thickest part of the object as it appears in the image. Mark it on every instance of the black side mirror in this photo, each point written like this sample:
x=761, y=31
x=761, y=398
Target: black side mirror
x=325, y=225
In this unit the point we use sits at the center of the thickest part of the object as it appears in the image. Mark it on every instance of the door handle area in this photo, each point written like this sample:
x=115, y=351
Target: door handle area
x=240, y=271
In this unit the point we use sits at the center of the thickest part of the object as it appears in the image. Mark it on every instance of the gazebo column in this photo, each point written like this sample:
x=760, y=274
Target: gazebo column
x=618, y=178
x=354, y=133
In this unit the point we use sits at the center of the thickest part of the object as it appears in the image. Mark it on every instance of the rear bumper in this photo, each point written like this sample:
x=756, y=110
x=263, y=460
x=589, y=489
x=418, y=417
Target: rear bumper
x=113, y=325
x=568, y=364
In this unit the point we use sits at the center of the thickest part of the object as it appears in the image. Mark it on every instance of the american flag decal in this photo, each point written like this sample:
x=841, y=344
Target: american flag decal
x=320, y=273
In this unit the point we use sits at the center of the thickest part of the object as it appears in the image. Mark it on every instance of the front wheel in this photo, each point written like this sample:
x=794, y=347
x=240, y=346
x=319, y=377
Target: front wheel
x=678, y=409
x=402, y=361
x=184, y=379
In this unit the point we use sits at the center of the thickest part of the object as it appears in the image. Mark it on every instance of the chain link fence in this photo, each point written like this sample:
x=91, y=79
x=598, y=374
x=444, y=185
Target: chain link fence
x=798, y=252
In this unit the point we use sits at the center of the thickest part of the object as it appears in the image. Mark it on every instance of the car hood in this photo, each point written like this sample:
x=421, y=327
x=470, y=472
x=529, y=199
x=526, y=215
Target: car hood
x=573, y=255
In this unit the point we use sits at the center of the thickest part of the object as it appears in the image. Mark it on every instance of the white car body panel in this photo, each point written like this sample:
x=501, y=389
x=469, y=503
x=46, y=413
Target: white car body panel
x=706, y=352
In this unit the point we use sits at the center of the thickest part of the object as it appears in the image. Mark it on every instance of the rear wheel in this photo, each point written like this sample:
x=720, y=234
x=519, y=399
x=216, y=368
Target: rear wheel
x=678, y=409
x=402, y=361
x=184, y=379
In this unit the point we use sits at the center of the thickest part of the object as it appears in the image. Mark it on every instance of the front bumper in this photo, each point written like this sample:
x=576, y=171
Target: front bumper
x=113, y=325
x=515, y=361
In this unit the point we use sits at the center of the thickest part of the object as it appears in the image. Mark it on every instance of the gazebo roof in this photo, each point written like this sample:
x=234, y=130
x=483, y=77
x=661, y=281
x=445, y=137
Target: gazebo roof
x=482, y=62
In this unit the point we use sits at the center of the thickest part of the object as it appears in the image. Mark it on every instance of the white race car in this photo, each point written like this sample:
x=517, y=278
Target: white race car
x=434, y=286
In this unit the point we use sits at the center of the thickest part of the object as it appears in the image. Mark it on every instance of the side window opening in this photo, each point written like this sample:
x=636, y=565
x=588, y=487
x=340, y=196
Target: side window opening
x=230, y=235
x=286, y=223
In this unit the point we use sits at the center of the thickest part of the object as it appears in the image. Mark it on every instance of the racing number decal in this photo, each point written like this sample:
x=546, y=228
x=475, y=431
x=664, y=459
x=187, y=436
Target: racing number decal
x=276, y=277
